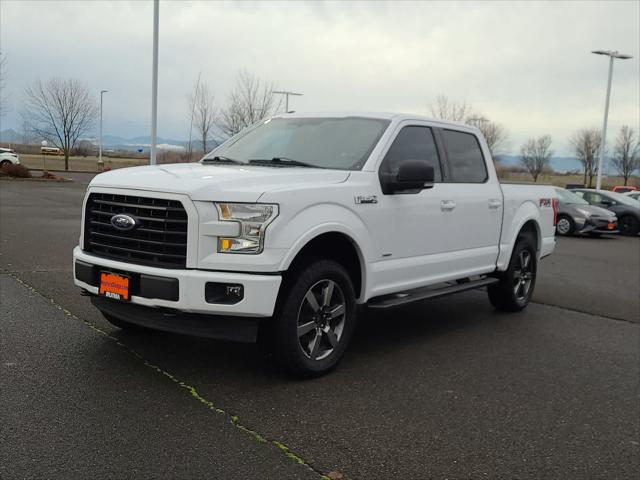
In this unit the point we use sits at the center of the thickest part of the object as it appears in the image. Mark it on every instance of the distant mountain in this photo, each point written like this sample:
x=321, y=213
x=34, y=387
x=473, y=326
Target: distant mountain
x=121, y=143
x=10, y=136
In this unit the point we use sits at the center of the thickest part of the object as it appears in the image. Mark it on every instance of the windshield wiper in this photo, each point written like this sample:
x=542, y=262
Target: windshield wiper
x=282, y=161
x=221, y=159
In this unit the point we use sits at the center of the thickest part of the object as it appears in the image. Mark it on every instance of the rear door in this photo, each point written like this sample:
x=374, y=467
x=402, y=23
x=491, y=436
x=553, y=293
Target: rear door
x=473, y=203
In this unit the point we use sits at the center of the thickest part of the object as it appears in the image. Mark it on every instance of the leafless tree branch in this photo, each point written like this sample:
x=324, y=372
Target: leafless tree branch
x=586, y=145
x=446, y=109
x=251, y=100
x=60, y=111
x=460, y=111
x=205, y=112
x=536, y=154
x=626, y=155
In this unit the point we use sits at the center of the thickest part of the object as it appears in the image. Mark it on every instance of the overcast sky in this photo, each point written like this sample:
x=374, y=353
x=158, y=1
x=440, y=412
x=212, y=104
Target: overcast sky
x=526, y=65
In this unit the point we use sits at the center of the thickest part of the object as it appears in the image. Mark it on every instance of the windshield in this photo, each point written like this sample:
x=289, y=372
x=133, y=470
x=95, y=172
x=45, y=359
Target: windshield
x=566, y=196
x=338, y=143
x=618, y=197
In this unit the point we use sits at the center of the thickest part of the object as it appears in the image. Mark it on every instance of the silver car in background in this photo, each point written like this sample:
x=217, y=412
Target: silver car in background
x=575, y=215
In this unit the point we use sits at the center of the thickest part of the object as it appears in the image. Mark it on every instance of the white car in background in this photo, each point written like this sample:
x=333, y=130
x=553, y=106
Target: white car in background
x=8, y=156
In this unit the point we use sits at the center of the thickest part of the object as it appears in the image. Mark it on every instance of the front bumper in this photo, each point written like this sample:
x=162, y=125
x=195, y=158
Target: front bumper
x=259, y=291
x=598, y=225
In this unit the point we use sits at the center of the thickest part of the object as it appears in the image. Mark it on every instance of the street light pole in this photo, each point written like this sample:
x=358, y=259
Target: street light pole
x=100, y=163
x=286, y=97
x=603, y=143
x=154, y=83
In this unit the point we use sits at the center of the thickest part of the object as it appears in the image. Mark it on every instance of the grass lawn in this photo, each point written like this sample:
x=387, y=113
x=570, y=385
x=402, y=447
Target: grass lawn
x=86, y=164
x=560, y=180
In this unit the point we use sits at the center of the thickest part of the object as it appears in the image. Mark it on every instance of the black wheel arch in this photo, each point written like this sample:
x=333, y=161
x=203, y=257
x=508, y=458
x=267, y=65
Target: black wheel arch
x=335, y=246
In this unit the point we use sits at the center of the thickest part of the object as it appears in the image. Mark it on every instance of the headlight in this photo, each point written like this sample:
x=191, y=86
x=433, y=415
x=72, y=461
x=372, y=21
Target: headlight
x=586, y=213
x=253, y=219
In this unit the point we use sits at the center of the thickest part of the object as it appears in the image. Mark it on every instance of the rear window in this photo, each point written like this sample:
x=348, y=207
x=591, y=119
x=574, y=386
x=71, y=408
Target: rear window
x=466, y=162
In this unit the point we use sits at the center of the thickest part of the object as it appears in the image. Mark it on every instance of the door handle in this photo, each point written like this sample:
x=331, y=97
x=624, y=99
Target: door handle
x=447, y=205
x=494, y=204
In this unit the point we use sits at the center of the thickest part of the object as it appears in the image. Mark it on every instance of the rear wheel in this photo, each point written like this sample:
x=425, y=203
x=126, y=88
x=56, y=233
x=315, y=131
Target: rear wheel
x=315, y=318
x=514, y=290
x=628, y=225
x=565, y=225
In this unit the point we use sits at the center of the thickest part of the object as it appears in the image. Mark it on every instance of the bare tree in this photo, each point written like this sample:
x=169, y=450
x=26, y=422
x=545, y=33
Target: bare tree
x=495, y=134
x=536, y=154
x=60, y=111
x=451, y=110
x=626, y=156
x=460, y=111
x=4, y=102
x=204, y=112
x=251, y=100
x=586, y=144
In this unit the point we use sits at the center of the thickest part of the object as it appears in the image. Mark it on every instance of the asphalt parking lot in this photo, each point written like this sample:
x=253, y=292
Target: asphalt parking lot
x=444, y=389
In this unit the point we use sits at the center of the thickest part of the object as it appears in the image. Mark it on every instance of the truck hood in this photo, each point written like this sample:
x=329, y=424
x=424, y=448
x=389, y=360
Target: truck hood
x=242, y=183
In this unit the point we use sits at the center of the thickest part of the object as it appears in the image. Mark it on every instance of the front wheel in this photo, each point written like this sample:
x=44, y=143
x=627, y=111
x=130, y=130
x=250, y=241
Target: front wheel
x=629, y=225
x=565, y=225
x=315, y=318
x=4, y=163
x=514, y=290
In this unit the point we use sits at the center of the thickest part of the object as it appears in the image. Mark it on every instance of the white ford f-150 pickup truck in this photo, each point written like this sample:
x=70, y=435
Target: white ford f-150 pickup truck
x=285, y=229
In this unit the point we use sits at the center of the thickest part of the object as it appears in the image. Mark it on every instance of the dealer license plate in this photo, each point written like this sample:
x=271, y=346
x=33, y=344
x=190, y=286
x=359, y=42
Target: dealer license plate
x=113, y=285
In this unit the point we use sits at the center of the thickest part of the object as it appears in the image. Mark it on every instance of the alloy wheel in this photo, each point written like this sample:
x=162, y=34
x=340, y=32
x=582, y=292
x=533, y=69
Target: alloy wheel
x=321, y=319
x=563, y=226
x=522, y=275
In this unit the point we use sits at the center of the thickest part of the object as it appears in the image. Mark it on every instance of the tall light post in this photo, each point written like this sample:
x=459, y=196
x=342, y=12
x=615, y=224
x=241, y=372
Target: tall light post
x=100, y=163
x=286, y=97
x=611, y=55
x=154, y=83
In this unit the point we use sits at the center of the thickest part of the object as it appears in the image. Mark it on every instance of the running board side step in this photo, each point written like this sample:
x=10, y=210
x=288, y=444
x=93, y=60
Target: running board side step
x=410, y=296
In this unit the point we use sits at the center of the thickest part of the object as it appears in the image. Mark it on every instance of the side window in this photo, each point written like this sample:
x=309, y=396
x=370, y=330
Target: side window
x=466, y=162
x=592, y=197
x=588, y=197
x=413, y=143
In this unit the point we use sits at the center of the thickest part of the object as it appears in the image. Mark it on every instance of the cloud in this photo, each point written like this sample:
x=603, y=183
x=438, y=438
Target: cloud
x=525, y=65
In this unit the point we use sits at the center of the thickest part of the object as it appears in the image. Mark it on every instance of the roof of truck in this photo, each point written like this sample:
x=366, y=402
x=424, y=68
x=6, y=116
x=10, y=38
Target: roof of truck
x=378, y=115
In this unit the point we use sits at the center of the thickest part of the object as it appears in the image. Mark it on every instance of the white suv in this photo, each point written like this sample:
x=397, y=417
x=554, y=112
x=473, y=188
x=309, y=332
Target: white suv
x=8, y=156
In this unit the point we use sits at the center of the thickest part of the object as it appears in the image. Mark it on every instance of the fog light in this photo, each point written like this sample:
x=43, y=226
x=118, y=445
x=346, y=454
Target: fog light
x=223, y=293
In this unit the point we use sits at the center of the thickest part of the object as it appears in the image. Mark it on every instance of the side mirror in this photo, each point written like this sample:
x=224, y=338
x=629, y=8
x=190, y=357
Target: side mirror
x=412, y=175
x=606, y=202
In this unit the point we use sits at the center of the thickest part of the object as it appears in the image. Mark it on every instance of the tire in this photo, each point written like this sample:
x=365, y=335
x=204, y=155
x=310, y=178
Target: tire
x=565, y=226
x=628, y=225
x=4, y=163
x=315, y=318
x=123, y=324
x=515, y=288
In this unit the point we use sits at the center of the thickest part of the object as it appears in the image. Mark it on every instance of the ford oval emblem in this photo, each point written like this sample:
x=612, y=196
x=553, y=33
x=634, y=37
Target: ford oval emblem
x=124, y=222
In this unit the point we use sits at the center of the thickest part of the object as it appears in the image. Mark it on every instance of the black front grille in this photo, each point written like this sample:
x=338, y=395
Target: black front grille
x=160, y=240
